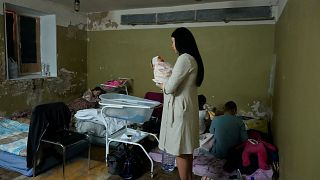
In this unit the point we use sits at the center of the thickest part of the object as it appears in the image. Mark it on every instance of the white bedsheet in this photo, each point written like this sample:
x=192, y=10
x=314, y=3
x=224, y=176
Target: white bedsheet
x=90, y=121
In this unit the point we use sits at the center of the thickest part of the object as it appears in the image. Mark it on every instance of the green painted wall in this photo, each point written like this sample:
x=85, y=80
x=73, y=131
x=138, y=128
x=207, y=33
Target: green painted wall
x=296, y=103
x=237, y=59
x=18, y=95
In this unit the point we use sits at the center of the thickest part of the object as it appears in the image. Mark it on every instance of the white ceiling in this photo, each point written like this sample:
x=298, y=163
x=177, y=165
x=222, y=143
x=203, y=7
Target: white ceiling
x=107, y=5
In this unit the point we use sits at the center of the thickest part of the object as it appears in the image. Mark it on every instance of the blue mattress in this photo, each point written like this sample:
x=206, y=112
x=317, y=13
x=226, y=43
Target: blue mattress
x=13, y=145
x=15, y=163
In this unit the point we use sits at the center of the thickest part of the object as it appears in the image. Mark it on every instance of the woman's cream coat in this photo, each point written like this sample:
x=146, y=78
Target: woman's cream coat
x=179, y=132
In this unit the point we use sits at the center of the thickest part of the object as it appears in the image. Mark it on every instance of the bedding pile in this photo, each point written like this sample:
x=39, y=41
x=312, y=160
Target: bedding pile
x=90, y=121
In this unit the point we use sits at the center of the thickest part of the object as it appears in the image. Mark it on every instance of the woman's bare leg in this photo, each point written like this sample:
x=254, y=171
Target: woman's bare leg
x=184, y=163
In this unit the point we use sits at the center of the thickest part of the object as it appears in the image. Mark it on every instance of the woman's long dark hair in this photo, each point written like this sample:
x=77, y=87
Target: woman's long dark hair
x=185, y=43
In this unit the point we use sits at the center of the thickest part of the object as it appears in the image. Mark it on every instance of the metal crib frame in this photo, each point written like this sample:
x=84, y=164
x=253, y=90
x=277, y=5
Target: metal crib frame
x=116, y=137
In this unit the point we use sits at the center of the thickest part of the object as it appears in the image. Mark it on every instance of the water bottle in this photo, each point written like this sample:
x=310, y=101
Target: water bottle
x=240, y=176
x=168, y=161
x=43, y=69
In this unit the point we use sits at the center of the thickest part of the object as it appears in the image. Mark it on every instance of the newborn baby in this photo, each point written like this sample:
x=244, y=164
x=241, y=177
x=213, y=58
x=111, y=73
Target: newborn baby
x=162, y=70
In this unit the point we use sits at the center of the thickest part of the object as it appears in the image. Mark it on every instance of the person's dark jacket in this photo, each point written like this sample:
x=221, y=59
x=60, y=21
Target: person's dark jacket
x=46, y=120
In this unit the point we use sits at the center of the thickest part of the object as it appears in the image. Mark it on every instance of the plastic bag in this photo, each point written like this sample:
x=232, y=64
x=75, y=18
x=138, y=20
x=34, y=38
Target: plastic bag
x=13, y=69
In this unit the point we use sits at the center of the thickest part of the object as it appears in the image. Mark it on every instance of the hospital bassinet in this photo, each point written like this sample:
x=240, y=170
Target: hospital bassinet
x=127, y=108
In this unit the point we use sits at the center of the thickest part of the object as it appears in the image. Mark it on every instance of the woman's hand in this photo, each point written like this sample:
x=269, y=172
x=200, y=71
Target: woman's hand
x=160, y=85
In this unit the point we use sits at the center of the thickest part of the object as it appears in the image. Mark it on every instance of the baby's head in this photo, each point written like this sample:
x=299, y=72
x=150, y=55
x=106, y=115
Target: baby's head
x=155, y=60
x=97, y=91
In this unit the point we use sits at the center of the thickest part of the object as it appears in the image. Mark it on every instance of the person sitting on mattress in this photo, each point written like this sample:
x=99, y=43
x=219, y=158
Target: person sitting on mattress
x=228, y=130
x=92, y=95
x=204, y=118
x=89, y=99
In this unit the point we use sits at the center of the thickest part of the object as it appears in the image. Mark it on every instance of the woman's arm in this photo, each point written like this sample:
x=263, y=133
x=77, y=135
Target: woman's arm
x=179, y=72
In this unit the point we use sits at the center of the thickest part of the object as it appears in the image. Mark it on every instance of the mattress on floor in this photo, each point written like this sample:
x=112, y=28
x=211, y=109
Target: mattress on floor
x=13, y=137
x=13, y=145
x=15, y=163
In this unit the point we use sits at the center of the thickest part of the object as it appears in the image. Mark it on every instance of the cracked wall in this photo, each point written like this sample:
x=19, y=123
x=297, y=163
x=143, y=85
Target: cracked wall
x=19, y=95
x=237, y=60
x=100, y=21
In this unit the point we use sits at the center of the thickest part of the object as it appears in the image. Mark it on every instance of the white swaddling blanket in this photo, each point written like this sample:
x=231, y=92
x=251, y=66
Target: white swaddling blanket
x=161, y=70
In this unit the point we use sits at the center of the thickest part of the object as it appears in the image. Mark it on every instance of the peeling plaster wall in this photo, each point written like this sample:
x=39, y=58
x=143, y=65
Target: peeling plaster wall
x=112, y=20
x=64, y=15
x=18, y=95
x=100, y=21
x=238, y=56
x=237, y=60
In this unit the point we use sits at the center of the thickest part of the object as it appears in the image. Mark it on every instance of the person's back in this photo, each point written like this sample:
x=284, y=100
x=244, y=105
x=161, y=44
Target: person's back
x=228, y=130
x=203, y=114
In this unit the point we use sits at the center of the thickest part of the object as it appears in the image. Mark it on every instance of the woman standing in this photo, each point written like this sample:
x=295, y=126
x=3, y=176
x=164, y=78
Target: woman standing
x=179, y=134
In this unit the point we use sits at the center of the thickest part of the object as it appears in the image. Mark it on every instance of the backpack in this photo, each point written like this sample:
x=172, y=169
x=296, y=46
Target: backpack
x=129, y=167
x=116, y=160
x=127, y=162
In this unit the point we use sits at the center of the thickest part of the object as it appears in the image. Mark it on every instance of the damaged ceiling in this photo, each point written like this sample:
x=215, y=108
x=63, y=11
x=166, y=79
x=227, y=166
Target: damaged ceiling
x=108, y=5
